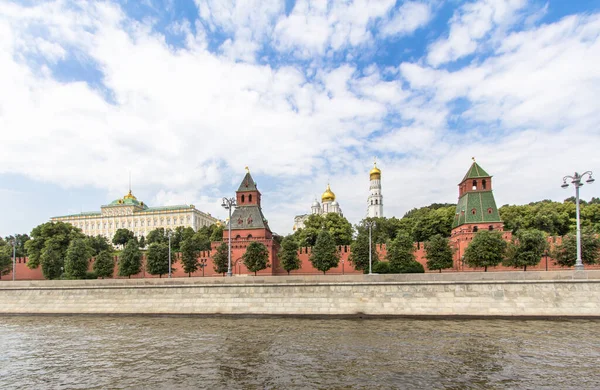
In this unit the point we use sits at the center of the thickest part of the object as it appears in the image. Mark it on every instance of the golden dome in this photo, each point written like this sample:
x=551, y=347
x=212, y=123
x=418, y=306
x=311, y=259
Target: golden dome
x=129, y=196
x=328, y=195
x=375, y=173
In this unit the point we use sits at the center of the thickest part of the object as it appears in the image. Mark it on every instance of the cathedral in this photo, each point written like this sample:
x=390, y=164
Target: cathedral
x=330, y=205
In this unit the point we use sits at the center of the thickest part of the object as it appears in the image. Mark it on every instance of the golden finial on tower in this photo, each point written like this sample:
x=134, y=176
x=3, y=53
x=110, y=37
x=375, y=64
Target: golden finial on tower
x=247, y=169
x=473, y=158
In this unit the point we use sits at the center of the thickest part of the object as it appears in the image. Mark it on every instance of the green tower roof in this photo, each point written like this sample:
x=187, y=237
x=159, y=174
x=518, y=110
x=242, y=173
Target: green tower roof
x=475, y=172
x=476, y=207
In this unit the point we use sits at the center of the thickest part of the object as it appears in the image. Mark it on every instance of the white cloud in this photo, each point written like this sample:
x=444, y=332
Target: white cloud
x=470, y=25
x=409, y=17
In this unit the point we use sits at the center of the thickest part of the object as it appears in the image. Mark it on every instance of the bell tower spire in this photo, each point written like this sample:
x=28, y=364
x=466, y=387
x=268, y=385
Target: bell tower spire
x=375, y=200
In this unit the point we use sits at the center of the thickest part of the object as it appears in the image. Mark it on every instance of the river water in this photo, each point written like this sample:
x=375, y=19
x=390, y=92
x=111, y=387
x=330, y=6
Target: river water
x=294, y=353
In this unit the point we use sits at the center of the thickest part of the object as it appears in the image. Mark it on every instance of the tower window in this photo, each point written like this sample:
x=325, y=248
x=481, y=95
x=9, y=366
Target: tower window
x=491, y=227
x=475, y=229
x=474, y=211
x=250, y=198
x=490, y=210
x=376, y=201
x=474, y=185
x=483, y=184
x=243, y=198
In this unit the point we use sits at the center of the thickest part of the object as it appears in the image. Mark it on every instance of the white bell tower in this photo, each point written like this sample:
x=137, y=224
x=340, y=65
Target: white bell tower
x=375, y=201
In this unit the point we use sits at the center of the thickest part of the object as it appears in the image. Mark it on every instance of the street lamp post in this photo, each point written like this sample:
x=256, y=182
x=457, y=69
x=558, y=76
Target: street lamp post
x=576, y=181
x=229, y=204
x=14, y=243
x=203, y=264
x=370, y=225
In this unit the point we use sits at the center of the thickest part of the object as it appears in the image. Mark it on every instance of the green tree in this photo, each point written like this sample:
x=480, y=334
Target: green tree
x=189, y=255
x=526, y=249
x=565, y=254
x=202, y=240
x=157, y=236
x=256, y=257
x=324, y=255
x=337, y=226
x=123, y=236
x=288, y=254
x=438, y=252
x=216, y=234
x=52, y=260
x=130, y=261
x=99, y=244
x=487, y=249
x=359, y=251
x=77, y=258
x=157, y=259
x=5, y=259
x=20, y=240
x=142, y=242
x=60, y=234
x=104, y=266
x=220, y=259
x=401, y=255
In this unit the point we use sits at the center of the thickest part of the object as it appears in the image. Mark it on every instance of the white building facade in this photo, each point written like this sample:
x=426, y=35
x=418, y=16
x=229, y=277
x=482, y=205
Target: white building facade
x=328, y=205
x=129, y=213
x=375, y=200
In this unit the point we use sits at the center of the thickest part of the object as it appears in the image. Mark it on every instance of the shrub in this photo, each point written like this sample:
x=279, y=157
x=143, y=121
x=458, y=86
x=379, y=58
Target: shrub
x=382, y=267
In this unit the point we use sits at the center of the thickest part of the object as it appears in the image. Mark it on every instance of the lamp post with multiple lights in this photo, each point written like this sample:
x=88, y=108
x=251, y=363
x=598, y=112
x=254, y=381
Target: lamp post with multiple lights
x=576, y=181
x=14, y=244
x=169, y=234
x=229, y=204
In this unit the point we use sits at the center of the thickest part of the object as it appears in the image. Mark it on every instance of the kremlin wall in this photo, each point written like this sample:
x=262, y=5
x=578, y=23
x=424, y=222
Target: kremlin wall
x=476, y=209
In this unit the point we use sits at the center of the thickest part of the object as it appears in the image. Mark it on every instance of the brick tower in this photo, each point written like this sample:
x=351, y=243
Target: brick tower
x=476, y=210
x=248, y=224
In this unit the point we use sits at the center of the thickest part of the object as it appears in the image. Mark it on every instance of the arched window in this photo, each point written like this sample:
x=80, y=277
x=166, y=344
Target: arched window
x=490, y=210
x=249, y=236
x=491, y=227
x=238, y=237
x=483, y=184
x=371, y=201
x=243, y=198
x=250, y=198
x=376, y=201
x=475, y=229
x=474, y=185
x=474, y=211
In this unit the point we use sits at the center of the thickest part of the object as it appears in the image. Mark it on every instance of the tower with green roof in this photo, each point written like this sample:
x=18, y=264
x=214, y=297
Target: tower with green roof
x=476, y=208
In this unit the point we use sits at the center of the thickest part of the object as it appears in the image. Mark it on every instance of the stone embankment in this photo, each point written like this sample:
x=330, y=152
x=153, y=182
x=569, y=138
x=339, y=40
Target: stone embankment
x=529, y=294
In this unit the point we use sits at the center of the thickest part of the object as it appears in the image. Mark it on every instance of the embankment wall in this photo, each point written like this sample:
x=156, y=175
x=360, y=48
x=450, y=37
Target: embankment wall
x=550, y=293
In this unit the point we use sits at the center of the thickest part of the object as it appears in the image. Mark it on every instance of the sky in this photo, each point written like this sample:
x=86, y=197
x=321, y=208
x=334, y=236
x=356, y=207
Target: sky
x=183, y=94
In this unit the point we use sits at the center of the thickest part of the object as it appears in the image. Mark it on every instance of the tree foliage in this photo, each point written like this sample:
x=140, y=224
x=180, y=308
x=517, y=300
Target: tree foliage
x=526, y=249
x=77, y=258
x=324, y=255
x=99, y=244
x=180, y=234
x=220, y=259
x=130, y=261
x=565, y=254
x=20, y=240
x=52, y=260
x=256, y=257
x=359, y=251
x=487, y=249
x=288, y=254
x=58, y=236
x=157, y=259
x=157, y=236
x=5, y=258
x=104, y=265
x=189, y=255
x=216, y=232
x=337, y=226
x=438, y=252
x=401, y=255
x=123, y=236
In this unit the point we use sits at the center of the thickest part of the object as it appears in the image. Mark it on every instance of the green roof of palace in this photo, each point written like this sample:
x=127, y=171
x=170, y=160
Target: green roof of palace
x=475, y=172
x=484, y=205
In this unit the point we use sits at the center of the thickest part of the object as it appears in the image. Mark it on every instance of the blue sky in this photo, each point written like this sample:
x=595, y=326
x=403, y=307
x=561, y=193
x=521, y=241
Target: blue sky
x=185, y=94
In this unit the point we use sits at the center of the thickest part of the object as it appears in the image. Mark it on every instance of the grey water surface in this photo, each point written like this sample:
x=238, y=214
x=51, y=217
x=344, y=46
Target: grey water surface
x=79, y=352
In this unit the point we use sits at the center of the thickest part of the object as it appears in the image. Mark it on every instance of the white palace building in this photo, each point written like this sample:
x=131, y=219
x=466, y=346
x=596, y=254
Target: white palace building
x=129, y=213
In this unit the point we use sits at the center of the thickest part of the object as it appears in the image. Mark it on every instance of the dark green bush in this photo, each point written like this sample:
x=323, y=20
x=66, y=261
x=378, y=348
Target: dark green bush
x=90, y=275
x=413, y=267
x=381, y=267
